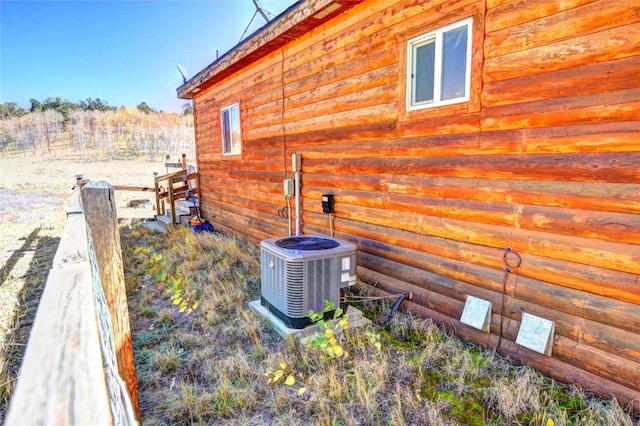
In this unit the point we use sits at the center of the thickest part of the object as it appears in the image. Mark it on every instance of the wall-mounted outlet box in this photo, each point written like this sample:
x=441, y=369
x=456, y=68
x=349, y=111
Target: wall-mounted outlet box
x=327, y=203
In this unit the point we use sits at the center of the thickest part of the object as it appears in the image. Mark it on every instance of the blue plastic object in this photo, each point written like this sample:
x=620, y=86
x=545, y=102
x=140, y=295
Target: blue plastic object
x=203, y=225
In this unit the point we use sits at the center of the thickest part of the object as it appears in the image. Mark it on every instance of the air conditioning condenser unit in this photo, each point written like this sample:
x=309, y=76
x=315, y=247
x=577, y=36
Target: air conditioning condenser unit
x=300, y=273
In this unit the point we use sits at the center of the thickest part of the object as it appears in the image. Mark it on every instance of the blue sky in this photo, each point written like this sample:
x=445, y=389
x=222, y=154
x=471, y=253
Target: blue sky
x=123, y=52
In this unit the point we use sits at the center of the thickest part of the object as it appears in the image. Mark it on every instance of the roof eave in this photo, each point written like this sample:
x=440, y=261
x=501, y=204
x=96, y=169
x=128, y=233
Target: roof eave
x=300, y=18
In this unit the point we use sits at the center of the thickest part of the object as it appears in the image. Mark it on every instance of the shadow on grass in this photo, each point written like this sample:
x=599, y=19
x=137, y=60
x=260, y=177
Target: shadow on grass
x=17, y=255
x=44, y=249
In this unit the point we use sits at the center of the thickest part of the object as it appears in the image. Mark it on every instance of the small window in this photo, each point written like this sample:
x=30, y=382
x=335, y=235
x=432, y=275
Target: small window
x=439, y=66
x=231, y=139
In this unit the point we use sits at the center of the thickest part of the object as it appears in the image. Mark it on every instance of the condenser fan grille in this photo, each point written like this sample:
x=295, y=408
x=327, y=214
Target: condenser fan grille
x=307, y=243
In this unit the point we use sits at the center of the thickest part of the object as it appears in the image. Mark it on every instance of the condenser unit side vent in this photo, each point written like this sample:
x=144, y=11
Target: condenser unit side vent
x=320, y=282
x=295, y=289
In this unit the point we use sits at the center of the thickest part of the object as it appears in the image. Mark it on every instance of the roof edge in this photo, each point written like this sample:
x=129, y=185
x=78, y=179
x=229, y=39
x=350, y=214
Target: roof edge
x=298, y=19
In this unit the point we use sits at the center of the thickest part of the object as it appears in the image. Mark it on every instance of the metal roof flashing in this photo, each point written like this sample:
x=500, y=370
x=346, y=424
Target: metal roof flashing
x=300, y=18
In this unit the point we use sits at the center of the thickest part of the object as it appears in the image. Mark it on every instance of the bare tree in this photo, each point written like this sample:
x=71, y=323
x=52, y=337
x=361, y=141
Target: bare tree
x=108, y=132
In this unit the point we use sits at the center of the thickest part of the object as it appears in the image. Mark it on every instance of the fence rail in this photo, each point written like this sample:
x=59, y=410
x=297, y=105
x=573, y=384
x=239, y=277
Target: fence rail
x=78, y=365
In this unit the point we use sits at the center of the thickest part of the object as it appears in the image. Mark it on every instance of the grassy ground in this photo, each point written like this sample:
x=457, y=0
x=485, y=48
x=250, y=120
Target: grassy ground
x=203, y=357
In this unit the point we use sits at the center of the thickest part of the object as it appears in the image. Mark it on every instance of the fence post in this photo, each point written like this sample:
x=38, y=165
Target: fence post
x=99, y=207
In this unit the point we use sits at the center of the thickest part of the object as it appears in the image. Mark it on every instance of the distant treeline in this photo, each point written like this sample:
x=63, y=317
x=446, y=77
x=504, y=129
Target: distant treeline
x=93, y=125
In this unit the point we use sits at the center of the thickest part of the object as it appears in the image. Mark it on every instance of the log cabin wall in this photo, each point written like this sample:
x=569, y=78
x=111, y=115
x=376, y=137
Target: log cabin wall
x=543, y=158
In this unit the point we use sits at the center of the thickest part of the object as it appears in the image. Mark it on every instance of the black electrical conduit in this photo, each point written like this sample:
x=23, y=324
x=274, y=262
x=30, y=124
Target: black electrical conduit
x=512, y=262
x=400, y=297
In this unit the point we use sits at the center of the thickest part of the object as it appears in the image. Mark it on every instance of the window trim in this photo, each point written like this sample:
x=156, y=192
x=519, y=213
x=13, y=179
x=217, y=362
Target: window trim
x=437, y=36
x=222, y=128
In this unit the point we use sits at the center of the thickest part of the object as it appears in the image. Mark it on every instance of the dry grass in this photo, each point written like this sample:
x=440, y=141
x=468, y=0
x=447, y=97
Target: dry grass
x=208, y=366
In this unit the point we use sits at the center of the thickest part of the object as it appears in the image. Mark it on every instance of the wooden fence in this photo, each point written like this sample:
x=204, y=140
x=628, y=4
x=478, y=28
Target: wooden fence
x=78, y=365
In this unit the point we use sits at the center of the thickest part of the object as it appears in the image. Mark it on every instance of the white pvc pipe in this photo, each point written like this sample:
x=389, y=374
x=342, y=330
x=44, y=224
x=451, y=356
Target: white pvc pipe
x=289, y=215
x=296, y=166
x=297, y=190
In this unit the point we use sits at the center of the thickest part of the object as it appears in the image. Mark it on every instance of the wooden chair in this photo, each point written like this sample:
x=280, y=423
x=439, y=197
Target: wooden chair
x=178, y=189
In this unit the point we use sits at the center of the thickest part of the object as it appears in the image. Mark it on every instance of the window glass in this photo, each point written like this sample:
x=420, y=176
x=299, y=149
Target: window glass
x=423, y=75
x=231, y=135
x=226, y=129
x=454, y=63
x=235, y=129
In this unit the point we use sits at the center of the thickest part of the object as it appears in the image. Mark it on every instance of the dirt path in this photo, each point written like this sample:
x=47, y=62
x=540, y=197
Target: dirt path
x=34, y=191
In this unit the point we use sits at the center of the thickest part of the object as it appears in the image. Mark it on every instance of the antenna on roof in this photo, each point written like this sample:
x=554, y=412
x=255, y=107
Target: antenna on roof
x=262, y=11
x=185, y=74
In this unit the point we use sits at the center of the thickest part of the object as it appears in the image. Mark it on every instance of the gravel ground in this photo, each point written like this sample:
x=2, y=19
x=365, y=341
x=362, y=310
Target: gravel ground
x=34, y=191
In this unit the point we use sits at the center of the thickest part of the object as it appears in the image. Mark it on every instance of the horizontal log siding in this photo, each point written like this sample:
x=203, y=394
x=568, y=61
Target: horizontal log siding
x=567, y=79
x=543, y=159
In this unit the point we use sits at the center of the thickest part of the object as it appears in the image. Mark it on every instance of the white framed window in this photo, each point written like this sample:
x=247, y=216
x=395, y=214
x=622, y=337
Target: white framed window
x=231, y=134
x=439, y=66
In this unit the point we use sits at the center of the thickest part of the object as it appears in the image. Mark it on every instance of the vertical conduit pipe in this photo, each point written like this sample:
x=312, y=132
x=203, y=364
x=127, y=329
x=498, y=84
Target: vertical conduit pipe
x=297, y=186
x=296, y=166
x=289, y=214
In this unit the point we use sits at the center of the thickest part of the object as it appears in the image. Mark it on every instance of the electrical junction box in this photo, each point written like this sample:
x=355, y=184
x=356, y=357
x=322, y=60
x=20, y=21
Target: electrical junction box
x=289, y=189
x=327, y=203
